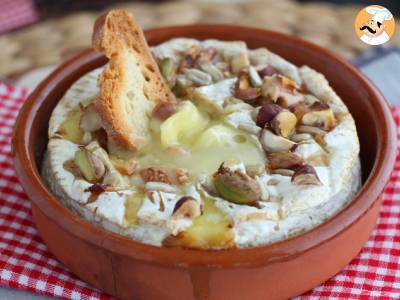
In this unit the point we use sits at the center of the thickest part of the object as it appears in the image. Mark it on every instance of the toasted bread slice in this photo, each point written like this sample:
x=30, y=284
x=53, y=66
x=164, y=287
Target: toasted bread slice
x=131, y=84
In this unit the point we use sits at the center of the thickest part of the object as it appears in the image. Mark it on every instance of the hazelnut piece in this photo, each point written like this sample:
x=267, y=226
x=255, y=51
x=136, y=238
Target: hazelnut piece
x=320, y=115
x=282, y=90
x=186, y=207
x=284, y=160
x=164, y=110
x=300, y=110
x=305, y=175
x=266, y=113
x=244, y=90
x=267, y=71
x=284, y=123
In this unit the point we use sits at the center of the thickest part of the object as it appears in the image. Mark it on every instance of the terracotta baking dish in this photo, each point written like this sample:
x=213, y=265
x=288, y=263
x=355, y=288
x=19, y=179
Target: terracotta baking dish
x=130, y=270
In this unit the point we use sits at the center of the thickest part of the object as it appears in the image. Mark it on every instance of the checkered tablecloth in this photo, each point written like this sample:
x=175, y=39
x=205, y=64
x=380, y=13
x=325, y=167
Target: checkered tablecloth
x=26, y=263
x=16, y=13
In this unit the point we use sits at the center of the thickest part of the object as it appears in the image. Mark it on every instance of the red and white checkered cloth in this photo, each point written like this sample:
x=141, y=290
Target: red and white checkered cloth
x=26, y=263
x=16, y=13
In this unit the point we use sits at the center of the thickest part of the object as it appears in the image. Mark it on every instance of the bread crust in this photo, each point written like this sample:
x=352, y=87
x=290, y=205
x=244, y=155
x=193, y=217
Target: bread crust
x=131, y=84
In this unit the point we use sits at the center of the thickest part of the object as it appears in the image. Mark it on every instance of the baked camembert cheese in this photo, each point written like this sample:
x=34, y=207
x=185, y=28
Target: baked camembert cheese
x=200, y=144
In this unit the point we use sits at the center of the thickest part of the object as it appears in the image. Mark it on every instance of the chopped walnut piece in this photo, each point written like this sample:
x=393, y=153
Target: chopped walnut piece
x=155, y=174
x=165, y=175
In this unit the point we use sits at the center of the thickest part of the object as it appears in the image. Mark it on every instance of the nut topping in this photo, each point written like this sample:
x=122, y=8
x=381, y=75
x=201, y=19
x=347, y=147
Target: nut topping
x=266, y=113
x=284, y=123
x=320, y=115
x=236, y=187
x=164, y=110
x=189, y=58
x=239, y=62
x=283, y=172
x=284, y=160
x=255, y=170
x=267, y=71
x=250, y=128
x=275, y=143
x=244, y=90
x=99, y=188
x=165, y=175
x=301, y=137
x=186, y=207
x=90, y=166
x=155, y=174
x=96, y=190
x=196, y=56
x=255, y=79
x=208, y=55
x=198, y=77
x=300, y=110
x=211, y=69
x=70, y=166
x=305, y=175
x=182, y=84
x=282, y=90
x=124, y=166
x=311, y=130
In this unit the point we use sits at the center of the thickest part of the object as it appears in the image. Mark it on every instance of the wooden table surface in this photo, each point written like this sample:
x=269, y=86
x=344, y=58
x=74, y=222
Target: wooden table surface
x=49, y=41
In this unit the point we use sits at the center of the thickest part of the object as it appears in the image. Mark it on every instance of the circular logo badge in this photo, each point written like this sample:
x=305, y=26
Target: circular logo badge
x=374, y=25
